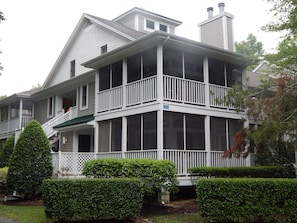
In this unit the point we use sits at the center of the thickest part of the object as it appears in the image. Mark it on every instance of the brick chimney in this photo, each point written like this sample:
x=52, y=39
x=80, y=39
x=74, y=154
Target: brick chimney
x=217, y=30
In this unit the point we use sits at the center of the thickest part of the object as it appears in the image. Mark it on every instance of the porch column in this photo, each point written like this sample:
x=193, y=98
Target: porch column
x=124, y=137
x=96, y=139
x=206, y=80
x=125, y=74
x=207, y=140
x=160, y=75
x=21, y=113
x=160, y=134
x=96, y=95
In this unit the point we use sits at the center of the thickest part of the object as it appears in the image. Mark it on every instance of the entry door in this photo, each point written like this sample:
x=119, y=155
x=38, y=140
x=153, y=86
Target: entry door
x=84, y=143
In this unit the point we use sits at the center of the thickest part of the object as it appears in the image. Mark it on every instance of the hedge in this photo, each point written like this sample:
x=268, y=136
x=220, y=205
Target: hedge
x=3, y=178
x=247, y=199
x=253, y=172
x=154, y=173
x=67, y=199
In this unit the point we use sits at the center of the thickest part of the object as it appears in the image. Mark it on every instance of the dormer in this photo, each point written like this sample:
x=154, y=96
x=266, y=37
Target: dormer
x=145, y=21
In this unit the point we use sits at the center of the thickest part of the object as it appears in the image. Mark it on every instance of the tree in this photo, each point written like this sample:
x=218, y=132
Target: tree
x=251, y=49
x=1, y=19
x=6, y=151
x=30, y=162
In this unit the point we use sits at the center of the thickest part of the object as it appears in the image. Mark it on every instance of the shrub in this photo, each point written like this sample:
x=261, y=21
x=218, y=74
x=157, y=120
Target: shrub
x=3, y=178
x=254, y=171
x=247, y=199
x=67, y=199
x=30, y=161
x=154, y=173
x=6, y=151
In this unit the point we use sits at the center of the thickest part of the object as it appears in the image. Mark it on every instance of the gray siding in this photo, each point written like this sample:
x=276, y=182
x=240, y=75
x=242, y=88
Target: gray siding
x=230, y=34
x=67, y=147
x=212, y=33
x=91, y=101
x=40, y=111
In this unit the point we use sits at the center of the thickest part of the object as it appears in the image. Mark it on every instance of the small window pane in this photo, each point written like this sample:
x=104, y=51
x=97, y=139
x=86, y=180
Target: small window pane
x=173, y=131
x=195, y=132
x=150, y=24
x=149, y=59
x=104, y=131
x=163, y=27
x=117, y=72
x=84, y=95
x=172, y=62
x=116, y=134
x=134, y=68
x=218, y=134
x=103, y=49
x=72, y=68
x=133, y=132
x=193, y=67
x=216, y=72
x=104, y=78
x=150, y=130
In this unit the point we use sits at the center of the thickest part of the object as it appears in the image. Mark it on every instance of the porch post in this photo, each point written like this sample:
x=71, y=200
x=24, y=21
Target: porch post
x=96, y=94
x=160, y=134
x=207, y=140
x=21, y=114
x=124, y=137
x=125, y=74
x=206, y=80
x=160, y=155
x=96, y=139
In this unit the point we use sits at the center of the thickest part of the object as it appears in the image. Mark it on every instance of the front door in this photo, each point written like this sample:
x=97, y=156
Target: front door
x=84, y=143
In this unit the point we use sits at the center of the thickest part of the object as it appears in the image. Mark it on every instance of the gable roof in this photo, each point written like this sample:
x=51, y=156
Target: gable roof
x=118, y=28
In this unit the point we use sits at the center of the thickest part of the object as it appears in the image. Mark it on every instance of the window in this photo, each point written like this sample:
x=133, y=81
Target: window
x=104, y=49
x=173, y=131
x=50, y=107
x=163, y=27
x=149, y=61
x=14, y=110
x=150, y=130
x=134, y=132
x=84, y=97
x=195, y=133
x=111, y=76
x=150, y=24
x=4, y=113
x=72, y=68
x=172, y=62
x=216, y=72
x=193, y=66
x=134, y=68
x=110, y=135
x=234, y=74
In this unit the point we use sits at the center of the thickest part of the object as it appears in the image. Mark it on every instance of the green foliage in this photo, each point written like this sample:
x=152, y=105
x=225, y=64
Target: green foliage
x=154, y=173
x=247, y=199
x=30, y=162
x=67, y=199
x=252, y=172
x=3, y=178
x=6, y=151
x=251, y=49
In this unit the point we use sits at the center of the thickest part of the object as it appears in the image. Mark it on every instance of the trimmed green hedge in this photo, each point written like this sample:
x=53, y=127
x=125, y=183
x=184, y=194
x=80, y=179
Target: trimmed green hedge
x=247, y=199
x=253, y=172
x=154, y=173
x=67, y=199
x=3, y=178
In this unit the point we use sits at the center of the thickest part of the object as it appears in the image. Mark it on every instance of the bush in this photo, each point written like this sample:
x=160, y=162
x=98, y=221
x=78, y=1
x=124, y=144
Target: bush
x=3, y=178
x=6, y=151
x=253, y=172
x=92, y=198
x=30, y=161
x=154, y=173
x=247, y=199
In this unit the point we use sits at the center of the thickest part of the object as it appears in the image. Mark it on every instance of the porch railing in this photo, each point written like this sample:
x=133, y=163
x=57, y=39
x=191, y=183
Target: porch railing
x=217, y=96
x=60, y=118
x=183, y=90
x=110, y=99
x=68, y=163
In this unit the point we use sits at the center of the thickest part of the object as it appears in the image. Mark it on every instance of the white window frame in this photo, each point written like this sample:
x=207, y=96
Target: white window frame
x=50, y=109
x=84, y=107
x=156, y=25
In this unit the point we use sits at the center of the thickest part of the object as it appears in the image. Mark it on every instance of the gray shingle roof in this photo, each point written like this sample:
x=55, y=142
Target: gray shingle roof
x=122, y=28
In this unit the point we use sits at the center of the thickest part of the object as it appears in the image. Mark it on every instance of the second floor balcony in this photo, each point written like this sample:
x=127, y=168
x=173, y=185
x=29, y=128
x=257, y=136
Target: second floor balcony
x=174, y=89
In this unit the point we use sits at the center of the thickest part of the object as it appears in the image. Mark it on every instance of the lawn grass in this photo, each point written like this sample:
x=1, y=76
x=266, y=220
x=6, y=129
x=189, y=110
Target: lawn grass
x=24, y=214
x=178, y=218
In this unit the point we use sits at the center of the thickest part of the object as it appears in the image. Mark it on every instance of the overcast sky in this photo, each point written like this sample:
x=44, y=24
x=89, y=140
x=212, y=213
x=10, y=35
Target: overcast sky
x=35, y=31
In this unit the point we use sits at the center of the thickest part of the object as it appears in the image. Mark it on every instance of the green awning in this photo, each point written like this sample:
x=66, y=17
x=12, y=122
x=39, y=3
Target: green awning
x=75, y=121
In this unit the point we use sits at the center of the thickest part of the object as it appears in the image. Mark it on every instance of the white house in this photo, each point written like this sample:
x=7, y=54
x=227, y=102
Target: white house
x=131, y=88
